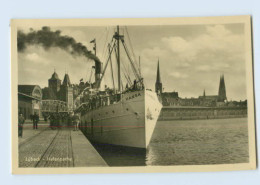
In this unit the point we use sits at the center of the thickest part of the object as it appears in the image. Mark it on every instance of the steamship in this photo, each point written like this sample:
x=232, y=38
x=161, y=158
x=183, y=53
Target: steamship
x=124, y=116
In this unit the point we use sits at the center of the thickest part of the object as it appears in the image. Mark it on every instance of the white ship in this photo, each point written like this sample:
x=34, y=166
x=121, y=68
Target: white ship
x=125, y=117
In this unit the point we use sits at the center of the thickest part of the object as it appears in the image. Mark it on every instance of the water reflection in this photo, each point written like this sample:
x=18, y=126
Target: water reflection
x=121, y=156
x=189, y=142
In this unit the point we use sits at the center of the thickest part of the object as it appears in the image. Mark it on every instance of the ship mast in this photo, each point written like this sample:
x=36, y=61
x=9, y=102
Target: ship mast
x=115, y=45
x=118, y=59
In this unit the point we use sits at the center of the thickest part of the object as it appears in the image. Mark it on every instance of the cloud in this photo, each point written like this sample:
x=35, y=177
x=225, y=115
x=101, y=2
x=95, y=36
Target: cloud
x=179, y=75
x=198, y=60
x=188, y=55
x=218, y=31
x=216, y=39
x=176, y=44
x=204, y=68
x=36, y=65
x=180, y=47
x=33, y=57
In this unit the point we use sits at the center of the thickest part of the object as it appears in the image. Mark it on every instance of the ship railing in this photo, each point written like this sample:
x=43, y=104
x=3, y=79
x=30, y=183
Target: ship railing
x=94, y=101
x=137, y=85
x=99, y=101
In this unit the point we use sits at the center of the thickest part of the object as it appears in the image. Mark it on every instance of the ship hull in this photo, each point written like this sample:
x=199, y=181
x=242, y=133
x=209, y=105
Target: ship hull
x=129, y=122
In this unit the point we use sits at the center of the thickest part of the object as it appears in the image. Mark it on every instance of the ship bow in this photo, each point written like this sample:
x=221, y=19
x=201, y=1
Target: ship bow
x=152, y=111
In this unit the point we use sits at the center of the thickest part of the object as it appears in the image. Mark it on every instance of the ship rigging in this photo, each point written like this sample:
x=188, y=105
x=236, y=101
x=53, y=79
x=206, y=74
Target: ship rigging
x=125, y=115
x=114, y=48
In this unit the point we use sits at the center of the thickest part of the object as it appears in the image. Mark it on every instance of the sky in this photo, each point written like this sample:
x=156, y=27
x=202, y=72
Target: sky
x=192, y=57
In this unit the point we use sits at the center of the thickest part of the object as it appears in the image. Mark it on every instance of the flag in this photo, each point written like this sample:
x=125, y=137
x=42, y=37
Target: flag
x=93, y=41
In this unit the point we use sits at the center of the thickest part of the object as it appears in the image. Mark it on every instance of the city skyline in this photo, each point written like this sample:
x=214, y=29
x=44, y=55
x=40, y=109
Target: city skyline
x=187, y=65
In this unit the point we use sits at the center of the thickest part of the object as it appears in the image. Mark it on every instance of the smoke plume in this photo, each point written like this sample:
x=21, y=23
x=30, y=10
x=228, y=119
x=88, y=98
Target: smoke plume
x=47, y=39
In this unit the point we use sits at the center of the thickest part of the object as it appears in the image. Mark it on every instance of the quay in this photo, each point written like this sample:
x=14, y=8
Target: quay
x=59, y=147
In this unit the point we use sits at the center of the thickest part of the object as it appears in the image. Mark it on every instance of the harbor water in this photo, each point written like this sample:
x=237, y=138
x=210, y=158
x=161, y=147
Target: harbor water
x=186, y=142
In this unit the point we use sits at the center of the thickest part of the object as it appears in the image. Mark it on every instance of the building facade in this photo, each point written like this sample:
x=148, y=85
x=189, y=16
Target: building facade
x=59, y=91
x=66, y=92
x=29, y=100
x=54, y=86
x=197, y=112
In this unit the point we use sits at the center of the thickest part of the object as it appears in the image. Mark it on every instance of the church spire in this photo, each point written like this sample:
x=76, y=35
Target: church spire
x=66, y=80
x=222, y=89
x=158, y=78
x=158, y=83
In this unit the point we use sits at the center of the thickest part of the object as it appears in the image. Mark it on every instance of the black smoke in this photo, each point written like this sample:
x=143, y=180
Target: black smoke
x=47, y=39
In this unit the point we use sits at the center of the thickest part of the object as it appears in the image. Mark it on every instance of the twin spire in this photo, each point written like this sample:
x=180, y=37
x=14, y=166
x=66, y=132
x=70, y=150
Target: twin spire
x=221, y=93
x=66, y=80
x=222, y=89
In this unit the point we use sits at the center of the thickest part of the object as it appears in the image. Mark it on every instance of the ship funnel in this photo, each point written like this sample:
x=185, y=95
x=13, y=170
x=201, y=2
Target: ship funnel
x=98, y=71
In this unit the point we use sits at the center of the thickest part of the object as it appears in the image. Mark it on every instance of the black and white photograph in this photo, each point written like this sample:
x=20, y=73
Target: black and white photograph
x=162, y=95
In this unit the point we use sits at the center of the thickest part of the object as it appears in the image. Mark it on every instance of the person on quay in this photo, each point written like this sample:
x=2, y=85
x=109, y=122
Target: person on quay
x=76, y=122
x=31, y=117
x=35, y=120
x=20, y=125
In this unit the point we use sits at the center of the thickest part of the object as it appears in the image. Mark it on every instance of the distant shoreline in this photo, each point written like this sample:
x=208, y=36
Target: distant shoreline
x=200, y=113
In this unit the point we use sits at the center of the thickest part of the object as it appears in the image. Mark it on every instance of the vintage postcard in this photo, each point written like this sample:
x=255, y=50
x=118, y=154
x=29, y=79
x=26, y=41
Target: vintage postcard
x=132, y=95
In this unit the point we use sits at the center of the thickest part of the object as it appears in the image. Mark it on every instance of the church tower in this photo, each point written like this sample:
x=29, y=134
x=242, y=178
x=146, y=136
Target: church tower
x=222, y=90
x=158, y=83
x=54, y=86
x=66, y=92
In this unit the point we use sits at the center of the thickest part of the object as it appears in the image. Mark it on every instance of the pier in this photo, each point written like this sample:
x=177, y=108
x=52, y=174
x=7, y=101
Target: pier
x=59, y=147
